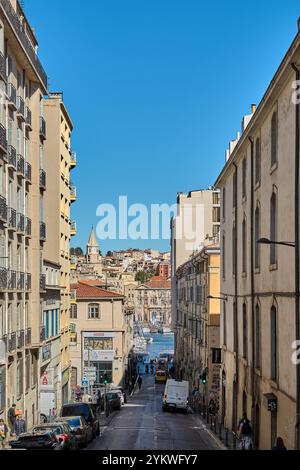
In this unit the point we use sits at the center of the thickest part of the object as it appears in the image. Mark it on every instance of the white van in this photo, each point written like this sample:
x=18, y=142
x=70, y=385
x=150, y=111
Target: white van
x=176, y=395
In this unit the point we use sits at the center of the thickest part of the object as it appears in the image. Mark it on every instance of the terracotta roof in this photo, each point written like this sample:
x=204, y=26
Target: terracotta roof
x=85, y=291
x=93, y=282
x=158, y=282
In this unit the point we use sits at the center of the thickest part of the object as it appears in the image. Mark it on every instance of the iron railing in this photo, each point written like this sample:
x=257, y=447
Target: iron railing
x=28, y=116
x=28, y=281
x=3, y=139
x=12, y=218
x=42, y=231
x=20, y=165
x=3, y=278
x=12, y=156
x=20, y=106
x=28, y=337
x=20, y=281
x=28, y=227
x=42, y=179
x=18, y=27
x=42, y=127
x=20, y=223
x=21, y=339
x=12, y=280
x=12, y=94
x=42, y=334
x=3, y=209
x=43, y=282
x=12, y=342
x=28, y=171
x=3, y=67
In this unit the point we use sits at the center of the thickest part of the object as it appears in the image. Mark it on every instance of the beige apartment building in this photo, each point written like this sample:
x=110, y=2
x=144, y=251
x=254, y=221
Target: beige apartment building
x=259, y=185
x=101, y=334
x=23, y=83
x=153, y=302
x=198, y=350
x=59, y=162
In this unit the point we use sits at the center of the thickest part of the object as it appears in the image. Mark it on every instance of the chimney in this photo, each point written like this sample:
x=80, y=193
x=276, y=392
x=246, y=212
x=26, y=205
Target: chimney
x=253, y=108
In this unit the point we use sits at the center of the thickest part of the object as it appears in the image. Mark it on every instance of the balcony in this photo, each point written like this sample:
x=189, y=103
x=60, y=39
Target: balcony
x=12, y=342
x=12, y=280
x=12, y=157
x=42, y=334
x=42, y=128
x=12, y=219
x=73, y=229
x=11, y=96
x=3, y=209
x=20, y=108
x=43, y=282
x=42, y=231
x=20, y=165
x=73, y=262
x=28, y=227
x=3, y=278
x=42, y=180
x=20, y=223
x=21, y=339
x=27, y=281
x=28, y=118
x=28, y=337
x=73, y=296
x=28, y=172
x=73, y=159
x=20, y=281
x=3, y=74
x=73, y=194
x=3, y=139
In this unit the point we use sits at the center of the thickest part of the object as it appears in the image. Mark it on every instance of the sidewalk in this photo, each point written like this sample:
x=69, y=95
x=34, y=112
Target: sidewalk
x=224, y=436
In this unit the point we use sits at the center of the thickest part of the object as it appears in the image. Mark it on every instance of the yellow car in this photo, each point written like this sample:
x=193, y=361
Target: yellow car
x=161, y=377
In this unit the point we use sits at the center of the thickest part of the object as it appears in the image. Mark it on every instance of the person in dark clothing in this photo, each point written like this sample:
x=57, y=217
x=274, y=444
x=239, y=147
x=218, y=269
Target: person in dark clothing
x=279, y=444
x=20, y=426
x=140, y=381
x=11, y=418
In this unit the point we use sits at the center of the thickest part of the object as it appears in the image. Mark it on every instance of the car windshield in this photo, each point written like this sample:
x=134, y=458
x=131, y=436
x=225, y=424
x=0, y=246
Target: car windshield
x=75, y=422
x=55, y=429
x=75, y=410
x=111, y=396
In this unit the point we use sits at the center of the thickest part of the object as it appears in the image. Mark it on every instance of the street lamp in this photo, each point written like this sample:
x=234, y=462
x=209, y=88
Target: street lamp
x=266, y=241
x=211, y=297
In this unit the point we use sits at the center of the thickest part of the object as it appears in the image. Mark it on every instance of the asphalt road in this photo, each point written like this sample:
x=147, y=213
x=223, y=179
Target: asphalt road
x=142, y=425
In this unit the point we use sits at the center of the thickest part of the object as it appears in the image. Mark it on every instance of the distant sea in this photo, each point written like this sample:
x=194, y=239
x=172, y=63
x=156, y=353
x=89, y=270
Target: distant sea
x=161, y=343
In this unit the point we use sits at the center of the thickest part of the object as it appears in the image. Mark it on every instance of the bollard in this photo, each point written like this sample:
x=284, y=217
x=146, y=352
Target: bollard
x=234, y=441
x=226, y=437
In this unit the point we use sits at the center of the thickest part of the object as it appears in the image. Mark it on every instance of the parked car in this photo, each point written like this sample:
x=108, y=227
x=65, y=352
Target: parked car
x=113, y=400
x=62, y=431
x=85, y=410
x=82, y=431
x=161, y=377
x=121, y=396
x=36, y=441
x=123, y=392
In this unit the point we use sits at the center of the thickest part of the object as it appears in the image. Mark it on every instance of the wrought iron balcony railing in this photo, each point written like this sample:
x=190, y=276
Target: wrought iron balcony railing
x=28, y=117
x=3, y=278
x=28, y=227
x=20, y=223
x=21, y=339
x=20, y=107
x=28, y=281
x=12, y=342
x=20, y=165
x=12, y=280
x=42, y=179
x=12, y=219
x=3, y=139
x=20, y=281
x=18, y=26
x=12, y=156
x=42, y=127
x=42, y=282
x=3, y=209
x=42, y=334
x=42, y=231
x=3, y=67
x=12, y=95
x=28, y=172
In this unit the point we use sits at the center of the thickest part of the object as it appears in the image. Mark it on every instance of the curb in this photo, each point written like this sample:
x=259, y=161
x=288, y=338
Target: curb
x=210, y=433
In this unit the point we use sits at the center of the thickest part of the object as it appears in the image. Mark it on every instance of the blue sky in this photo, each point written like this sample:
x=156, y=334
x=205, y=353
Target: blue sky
x=156, y=89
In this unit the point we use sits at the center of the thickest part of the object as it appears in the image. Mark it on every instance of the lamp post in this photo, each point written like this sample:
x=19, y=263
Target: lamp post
x=212, y=297
x=266, y=241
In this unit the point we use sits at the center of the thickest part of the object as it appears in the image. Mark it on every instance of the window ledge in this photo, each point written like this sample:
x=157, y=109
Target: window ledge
x=273, y=267
x=273, y=167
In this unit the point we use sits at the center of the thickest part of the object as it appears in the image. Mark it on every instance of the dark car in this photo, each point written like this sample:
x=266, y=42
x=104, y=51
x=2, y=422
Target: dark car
x=85, y=410
x=64, y=434
x=113, y=401
x=36, y=441
x=81, y=429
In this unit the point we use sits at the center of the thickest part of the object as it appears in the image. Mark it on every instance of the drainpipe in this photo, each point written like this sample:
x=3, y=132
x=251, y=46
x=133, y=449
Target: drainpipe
x=252, y=282
x=297, y=258
x=236, y=293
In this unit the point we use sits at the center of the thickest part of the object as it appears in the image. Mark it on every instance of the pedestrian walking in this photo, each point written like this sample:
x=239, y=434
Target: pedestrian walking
x=3, y=433
x=20, y=426
x=279, y=444
x=140, y=381
x=245, y=432
x=11, y=418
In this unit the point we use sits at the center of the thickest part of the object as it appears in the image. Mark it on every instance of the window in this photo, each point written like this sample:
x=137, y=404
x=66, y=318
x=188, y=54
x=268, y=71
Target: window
x=216, y=215
x=223, y=256
x=245, y=334
x=244, y=236
x=235, y=328
x=273, y=343
x=257, y=161
x=216, y=199
x=244, y=182
x=223, y=203
x=233, y=250
x=257, y=237
x=224, y=325
x=273, y=229
x=93, y=312
x=274, y=138
x=257, y=340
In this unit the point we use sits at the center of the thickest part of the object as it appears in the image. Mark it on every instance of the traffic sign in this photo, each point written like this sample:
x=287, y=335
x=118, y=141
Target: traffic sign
x=84, y=382
x=89, y=369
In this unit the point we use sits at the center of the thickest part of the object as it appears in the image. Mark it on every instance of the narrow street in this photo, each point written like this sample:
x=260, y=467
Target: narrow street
x=142, y=425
